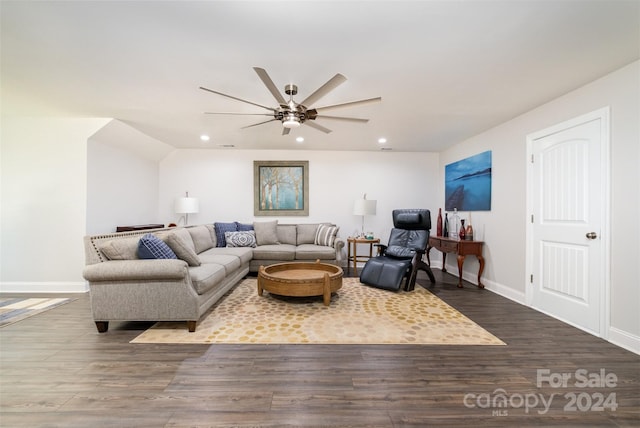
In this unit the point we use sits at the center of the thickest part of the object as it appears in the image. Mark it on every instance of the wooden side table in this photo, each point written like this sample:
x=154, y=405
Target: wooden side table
x=354, y=241
x=460, y=247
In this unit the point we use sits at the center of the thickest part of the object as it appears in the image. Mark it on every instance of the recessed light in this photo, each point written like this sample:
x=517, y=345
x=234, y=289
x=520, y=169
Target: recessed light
x=382, y=140
x=205, y=137
x=299, y=139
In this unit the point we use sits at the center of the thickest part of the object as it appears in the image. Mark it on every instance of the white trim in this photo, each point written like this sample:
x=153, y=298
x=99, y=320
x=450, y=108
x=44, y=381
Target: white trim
x=43, y=287
x=604, y=115
x=624, y=340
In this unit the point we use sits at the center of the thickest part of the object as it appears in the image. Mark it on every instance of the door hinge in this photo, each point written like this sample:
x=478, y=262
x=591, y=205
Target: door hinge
x=531, y=218
x=531, y=158
x=531, y=278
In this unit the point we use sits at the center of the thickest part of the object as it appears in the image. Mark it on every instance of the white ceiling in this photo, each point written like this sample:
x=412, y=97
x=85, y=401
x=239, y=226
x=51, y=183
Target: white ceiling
x=446, y=70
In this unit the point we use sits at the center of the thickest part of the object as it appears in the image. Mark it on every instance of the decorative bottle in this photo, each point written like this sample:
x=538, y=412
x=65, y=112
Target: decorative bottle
x=439, y=223
x=462, y=232
x=454, y=226
x=445, y=232
x=469, y=232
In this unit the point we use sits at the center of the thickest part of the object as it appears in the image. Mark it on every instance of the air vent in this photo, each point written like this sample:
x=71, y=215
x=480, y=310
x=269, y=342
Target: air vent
x=228, y=146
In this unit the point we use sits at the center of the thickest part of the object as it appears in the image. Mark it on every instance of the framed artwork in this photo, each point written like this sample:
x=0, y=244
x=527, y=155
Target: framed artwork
x=468, y=184
x=280, y=188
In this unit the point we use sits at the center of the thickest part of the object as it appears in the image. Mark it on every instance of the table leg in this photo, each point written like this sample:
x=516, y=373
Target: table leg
x=460, y=263
x=326, y=290
x=480, y=269
x=444, y=261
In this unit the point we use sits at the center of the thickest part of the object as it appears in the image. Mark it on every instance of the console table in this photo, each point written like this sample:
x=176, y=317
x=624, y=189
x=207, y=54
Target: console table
x=460, y=247
x=354, y=241
x=138, y=227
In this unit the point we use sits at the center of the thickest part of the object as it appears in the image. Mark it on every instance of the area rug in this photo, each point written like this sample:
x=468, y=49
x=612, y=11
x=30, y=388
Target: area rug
x=357, y=315
x=14, y=309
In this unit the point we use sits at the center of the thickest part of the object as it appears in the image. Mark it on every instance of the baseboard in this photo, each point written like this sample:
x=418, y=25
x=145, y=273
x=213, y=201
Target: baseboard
x=625, y=340
x=43, y=287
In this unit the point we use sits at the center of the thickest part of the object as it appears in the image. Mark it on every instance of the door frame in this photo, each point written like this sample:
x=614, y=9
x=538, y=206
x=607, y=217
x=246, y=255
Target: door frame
x=605, y=196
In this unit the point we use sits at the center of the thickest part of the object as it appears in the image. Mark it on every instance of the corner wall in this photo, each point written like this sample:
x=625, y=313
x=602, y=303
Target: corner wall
x=505, y=225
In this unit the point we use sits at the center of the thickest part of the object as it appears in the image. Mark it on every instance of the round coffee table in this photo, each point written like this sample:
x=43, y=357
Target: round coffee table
x=301, y=279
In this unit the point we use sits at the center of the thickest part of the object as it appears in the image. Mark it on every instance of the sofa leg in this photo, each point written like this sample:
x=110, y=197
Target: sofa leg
x=191, y=325
x=102, y=326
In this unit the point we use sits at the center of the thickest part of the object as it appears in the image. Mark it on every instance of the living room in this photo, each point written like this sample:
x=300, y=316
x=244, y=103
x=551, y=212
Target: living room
x=66, y=176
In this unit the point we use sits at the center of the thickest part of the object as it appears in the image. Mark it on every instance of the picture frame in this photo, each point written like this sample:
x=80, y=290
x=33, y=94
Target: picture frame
x=281, y=188
x=468, y=183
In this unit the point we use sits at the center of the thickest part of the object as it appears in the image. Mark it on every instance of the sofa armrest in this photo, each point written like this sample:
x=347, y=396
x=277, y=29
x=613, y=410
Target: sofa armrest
x=127, y=270
x=338, y=244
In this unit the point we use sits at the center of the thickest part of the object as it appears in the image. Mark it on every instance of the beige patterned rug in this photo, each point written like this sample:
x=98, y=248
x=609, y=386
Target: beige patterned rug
x=357, y=315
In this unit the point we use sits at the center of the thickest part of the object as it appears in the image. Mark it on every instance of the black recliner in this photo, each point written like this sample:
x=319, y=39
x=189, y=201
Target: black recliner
x=402, y=257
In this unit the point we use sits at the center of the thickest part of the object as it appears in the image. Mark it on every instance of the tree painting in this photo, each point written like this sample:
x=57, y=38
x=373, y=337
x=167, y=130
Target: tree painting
x=281, y=188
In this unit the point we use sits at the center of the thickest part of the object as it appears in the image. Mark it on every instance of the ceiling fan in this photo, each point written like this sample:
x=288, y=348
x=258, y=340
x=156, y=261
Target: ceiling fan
x=293, y=114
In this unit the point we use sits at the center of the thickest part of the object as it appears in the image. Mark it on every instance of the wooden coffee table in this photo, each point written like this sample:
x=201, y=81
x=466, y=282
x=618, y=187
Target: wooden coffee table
x=301, y=279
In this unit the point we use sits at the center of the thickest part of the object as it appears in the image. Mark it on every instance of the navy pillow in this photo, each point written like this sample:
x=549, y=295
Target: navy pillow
x=241, y=227
x=152, y=247
x=220, y=229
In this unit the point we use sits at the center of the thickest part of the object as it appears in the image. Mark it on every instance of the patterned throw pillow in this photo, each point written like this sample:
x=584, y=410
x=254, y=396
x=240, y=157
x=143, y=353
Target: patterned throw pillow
x=326, y=235
x=152, y=247
x=221, y=229
x=241, y=239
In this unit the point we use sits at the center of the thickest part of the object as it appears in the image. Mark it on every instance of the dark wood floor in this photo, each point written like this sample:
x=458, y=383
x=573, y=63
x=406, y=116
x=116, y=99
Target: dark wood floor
x=58, y=371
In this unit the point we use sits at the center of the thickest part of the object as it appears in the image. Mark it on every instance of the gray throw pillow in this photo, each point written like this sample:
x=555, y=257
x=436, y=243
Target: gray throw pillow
x=182, y=249
x=266, y=232
x=307, y=233
x=326, y=235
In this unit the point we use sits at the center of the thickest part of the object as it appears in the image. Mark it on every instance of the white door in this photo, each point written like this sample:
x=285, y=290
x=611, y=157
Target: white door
x=569, y=209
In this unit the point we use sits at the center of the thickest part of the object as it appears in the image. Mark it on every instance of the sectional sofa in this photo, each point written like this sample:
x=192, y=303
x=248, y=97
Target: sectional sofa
x=196, y=266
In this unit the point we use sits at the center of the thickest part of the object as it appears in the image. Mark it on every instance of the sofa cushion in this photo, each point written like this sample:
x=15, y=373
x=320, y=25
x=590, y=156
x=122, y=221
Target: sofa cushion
x=230, y=262
x=221, y=228
x=206, y=276
x=121, y=249
x=245, y=254
x=240, y=239
x=286, y=233
x=201, y=237
x=266, y=232
x=326, y=235
x=313, y=252
x=182, y=245
x=152, y=247
x=306, y=233
x=284, y=252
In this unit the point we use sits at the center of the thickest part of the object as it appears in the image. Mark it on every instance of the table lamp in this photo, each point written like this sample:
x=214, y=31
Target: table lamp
x=364, y=207
x=186, y=206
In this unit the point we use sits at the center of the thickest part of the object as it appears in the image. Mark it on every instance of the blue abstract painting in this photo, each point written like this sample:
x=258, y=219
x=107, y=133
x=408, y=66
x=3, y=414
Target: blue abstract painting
x=468, y=184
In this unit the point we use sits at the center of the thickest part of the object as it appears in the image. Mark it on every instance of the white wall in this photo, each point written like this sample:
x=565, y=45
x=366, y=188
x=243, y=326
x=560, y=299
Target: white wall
x=505, y=225
x=43, y=214
x=223, y=183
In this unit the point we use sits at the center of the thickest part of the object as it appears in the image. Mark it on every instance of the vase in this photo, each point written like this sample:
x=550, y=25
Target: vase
x=468, y=234
x=462, y=232
x=445, y=231
x=439, y=223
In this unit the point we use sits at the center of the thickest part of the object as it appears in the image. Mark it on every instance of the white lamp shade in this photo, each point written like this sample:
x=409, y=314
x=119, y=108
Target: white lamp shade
x=364, y=207
x=187, y=205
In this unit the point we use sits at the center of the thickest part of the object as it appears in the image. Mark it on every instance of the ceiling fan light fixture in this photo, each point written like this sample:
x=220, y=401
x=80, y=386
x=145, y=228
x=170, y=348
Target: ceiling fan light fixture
x=291, y=122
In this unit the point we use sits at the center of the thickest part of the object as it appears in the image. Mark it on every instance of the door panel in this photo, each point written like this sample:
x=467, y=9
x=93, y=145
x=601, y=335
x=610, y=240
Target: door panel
x=566, y=205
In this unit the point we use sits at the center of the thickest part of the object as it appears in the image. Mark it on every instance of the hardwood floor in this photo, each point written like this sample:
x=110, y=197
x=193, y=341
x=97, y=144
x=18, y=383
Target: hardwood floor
x=56, y=370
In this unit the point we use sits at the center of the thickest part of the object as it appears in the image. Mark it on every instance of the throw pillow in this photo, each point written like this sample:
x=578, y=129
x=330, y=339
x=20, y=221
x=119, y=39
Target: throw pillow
x=241, y=227
x=326, y=235
x=182, y=249
x=221, y=228
x=201, y=238
x=266, y=232
x=241, y=239
x=307, y=233
x=152, y=247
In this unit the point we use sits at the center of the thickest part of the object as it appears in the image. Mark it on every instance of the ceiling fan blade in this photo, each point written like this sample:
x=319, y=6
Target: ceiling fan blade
x=240, y=114
x=285, y=131
x=262, y=74
x=256, y=124
x=316, y=126
x=237, y=99
x=323, y=90
x=351, y=104
x=347, y=119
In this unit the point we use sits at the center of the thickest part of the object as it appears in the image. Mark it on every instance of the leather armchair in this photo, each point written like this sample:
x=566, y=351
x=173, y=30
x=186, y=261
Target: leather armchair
x=402, y=256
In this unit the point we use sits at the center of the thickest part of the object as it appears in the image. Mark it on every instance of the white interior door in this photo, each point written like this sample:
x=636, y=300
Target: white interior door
x=569, y=207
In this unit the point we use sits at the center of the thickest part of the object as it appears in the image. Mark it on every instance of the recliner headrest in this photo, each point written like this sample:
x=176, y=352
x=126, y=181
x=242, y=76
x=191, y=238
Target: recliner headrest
x=412, y=219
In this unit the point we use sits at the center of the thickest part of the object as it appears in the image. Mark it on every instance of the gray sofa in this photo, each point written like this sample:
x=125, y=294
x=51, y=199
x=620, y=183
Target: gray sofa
x=124, y=287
